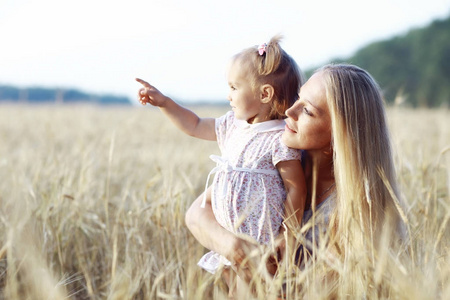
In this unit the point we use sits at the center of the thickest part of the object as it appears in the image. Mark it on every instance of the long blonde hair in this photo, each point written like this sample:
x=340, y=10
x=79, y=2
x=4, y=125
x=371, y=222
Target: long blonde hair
x=367, y=199
x=277, y=68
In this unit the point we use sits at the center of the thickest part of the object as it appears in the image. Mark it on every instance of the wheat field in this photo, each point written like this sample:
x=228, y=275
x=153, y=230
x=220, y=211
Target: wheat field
x=93, y=202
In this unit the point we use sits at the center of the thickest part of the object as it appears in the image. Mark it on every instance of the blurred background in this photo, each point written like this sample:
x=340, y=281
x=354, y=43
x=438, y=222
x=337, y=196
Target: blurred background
x=91, y=50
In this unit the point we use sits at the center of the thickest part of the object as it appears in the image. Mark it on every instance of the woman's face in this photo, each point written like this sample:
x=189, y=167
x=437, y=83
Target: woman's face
x=308, y=125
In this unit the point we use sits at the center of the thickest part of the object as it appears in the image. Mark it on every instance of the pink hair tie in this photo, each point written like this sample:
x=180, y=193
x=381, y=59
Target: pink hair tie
x=262, y=49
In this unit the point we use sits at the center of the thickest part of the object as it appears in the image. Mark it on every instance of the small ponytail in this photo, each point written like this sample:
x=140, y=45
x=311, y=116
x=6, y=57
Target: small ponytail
x=270, y=59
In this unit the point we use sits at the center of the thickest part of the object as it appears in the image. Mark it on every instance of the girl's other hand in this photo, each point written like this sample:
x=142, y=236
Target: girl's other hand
x=150, y=94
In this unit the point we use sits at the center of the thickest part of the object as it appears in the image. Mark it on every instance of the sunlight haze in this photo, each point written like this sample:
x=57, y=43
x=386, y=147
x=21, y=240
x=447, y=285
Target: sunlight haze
x=182, y=47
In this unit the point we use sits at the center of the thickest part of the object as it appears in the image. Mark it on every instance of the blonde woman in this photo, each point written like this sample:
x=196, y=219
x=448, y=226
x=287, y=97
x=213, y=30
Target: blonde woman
x=339, y=121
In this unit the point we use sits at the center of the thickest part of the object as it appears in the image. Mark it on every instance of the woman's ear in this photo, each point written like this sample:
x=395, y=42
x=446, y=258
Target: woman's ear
x=267, y=93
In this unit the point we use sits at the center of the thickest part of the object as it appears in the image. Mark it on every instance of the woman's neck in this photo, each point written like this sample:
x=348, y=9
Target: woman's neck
x=319, y=174
x=319, y=162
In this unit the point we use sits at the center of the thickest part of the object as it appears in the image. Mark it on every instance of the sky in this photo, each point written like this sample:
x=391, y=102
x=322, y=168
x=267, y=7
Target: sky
x=183, y=47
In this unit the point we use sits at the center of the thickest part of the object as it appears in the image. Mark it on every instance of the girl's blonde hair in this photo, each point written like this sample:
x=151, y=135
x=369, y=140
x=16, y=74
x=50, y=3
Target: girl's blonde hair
x=277, y=68
x=367, y=195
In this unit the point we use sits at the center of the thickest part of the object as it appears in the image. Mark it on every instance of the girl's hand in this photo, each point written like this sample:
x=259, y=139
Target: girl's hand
x=150, y=94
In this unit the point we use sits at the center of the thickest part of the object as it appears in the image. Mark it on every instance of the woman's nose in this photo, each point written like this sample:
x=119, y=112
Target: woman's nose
x=292, y=112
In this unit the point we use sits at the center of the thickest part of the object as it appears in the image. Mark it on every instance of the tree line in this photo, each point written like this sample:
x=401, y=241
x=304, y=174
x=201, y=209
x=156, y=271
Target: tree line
x=49, y=95
x=413, y=68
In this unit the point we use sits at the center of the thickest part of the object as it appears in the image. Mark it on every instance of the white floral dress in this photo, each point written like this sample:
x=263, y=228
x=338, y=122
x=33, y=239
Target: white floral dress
x=247, y=192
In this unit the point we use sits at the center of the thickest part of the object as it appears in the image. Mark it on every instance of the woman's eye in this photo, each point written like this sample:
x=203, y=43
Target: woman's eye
x=307, y=111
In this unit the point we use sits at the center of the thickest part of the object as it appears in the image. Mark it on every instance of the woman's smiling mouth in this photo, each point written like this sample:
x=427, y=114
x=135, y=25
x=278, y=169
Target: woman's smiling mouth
x=287, y=128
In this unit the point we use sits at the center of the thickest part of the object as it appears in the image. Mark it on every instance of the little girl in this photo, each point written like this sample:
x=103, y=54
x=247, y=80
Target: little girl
x=258, y=179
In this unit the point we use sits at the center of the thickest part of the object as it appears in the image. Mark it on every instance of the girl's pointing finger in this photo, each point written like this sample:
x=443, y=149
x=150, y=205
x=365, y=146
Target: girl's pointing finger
x=144, y=83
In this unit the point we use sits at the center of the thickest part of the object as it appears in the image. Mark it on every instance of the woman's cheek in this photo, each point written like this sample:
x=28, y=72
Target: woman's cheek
x=289, y=140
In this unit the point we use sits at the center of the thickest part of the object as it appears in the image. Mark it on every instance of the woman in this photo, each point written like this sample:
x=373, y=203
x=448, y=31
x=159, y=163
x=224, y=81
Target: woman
x=339, y=120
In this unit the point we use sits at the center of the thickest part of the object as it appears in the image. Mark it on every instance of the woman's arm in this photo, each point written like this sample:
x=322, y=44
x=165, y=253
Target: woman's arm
x=204, y=227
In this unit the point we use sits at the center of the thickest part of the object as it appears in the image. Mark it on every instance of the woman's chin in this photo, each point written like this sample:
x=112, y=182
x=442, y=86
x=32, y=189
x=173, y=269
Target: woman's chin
x=288, y=141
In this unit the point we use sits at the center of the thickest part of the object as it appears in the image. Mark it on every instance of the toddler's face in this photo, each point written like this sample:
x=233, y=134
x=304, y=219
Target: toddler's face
x=244, y=101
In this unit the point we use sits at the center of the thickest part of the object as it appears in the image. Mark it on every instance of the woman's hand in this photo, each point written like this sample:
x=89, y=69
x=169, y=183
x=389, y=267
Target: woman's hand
x=245, y=256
